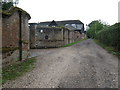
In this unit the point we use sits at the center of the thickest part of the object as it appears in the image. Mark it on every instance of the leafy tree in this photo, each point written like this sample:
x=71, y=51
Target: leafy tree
x=7, y=5
x=95, y=27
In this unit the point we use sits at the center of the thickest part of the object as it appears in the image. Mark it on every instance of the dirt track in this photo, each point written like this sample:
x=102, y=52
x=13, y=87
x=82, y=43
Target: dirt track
x=84, y=65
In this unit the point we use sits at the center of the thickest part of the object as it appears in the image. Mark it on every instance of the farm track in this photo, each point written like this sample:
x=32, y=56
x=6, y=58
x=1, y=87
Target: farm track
x=84, y=65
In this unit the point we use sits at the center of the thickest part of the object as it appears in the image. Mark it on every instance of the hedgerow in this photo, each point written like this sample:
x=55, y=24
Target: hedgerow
x=110, y=36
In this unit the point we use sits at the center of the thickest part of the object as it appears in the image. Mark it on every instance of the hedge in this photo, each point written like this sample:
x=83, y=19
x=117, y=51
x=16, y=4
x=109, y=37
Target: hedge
x=110, y=36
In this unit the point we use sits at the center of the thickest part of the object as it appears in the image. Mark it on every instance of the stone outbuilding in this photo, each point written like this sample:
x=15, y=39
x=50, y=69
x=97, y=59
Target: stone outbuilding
x=55, y=34
x=48, y=37
x=75, y=25
x=15, y=35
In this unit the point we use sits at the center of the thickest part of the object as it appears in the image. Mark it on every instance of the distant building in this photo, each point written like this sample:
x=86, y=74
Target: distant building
x=76, y=25
x=55, y=33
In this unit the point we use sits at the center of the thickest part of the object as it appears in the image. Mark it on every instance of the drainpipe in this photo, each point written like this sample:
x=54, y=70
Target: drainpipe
x=20, y=36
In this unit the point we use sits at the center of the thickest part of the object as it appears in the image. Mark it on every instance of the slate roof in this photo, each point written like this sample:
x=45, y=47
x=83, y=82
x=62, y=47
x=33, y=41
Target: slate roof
x=61, y=23
x=69, y=22
x=53, y=23
x=44, y=23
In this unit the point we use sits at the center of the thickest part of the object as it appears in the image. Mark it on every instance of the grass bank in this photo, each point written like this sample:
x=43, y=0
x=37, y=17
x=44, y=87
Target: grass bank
x=14, y=71
x=74, y=43
x=110, y=49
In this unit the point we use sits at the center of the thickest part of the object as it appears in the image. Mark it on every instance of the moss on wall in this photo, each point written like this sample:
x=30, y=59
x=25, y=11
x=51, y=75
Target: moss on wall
x=13, y=10
x=8, y=49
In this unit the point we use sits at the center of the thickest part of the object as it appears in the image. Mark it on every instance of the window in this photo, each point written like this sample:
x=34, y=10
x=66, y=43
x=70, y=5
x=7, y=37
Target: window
x=74, y=25
x=53, y=26
x=35, y=34
x=66, y=24
x=80, y=26
x=46, y=36
x=41, y=31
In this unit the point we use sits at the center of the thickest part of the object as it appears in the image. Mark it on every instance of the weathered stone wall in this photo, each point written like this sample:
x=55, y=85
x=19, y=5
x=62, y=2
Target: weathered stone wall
x=11, y=37
x=10, y=31
x=49, y=37
x=45, y=37
x=25, y=32
x=0, y=44
x=71, y=36
x=10, y=58
x=65, y=36
x=32, y=35
x=52, y=33
x=77, y=36
x=48, y=44
x=0, y=31
x=25, y=36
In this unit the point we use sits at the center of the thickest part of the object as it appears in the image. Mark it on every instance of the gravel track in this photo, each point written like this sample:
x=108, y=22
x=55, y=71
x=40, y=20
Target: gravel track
x=84, y=65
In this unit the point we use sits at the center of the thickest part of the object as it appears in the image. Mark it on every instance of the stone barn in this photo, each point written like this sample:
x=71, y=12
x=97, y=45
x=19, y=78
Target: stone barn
x=75, y=25
x=48, y=37
x=55, y=33
x=15, y=35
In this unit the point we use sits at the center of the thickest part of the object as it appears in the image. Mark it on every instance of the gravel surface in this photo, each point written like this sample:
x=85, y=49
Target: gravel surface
x=84, y=65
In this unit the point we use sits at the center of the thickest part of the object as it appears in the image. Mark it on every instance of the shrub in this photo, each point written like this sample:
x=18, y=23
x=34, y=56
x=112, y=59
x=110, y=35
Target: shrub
x=110, y=36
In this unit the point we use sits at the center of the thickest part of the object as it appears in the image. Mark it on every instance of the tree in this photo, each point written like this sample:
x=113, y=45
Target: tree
x=95, y=27
x=7, y=4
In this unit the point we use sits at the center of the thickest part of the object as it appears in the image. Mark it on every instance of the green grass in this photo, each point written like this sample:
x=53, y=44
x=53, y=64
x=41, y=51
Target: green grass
x=74, y=43
x=0, y=76
x=109, y=49
x=14, y=71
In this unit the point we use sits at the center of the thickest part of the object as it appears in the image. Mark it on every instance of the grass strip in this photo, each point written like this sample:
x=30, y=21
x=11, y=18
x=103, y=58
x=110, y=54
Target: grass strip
x=70, y=44
x=14, y=71
x=109, y=49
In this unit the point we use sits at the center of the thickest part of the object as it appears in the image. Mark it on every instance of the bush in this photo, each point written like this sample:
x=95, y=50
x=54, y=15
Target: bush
x=7, y=5
x=110, y=36
x=95, y=27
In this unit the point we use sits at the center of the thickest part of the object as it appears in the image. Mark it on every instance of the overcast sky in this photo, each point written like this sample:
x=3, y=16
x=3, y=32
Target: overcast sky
x=84, y=10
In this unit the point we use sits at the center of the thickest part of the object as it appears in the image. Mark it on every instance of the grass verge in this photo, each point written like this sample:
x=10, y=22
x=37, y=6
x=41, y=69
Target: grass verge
x=74, y=43
x=109, y=49
x=14, y=71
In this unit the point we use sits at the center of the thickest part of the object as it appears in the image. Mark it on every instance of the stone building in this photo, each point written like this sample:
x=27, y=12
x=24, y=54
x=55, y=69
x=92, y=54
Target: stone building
x=15, y=35
x=75, y=25
x=55, y=34
x=47, y=37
